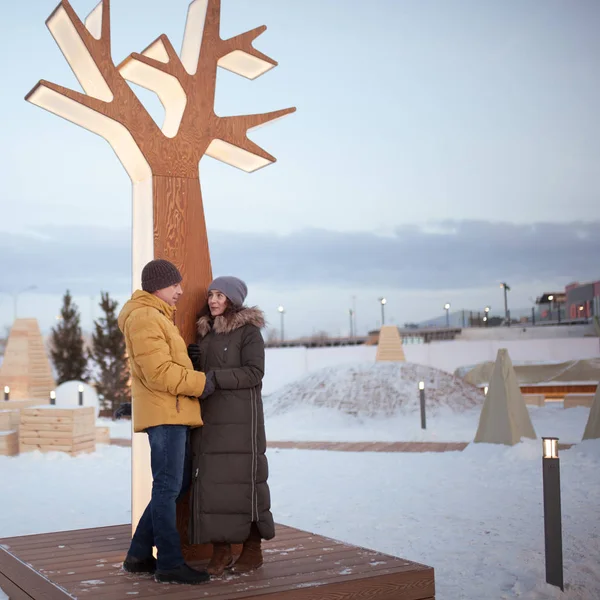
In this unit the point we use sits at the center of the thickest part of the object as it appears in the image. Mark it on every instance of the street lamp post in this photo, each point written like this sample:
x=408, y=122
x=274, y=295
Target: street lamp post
x=447, y=309
x=486, y=310
x=383, y=302
x=506, y=289
x=281, y=313
x=550, y=298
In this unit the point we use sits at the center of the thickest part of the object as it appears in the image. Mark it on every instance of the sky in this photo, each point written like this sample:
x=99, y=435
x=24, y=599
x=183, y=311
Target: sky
x=439, y=148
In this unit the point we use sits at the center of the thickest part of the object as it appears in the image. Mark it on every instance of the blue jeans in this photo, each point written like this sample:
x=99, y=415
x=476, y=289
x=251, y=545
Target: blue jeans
x=171, y=476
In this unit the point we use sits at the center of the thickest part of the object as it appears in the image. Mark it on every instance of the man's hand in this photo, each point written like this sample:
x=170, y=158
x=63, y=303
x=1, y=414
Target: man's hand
x=194, y=354
x=210, y=386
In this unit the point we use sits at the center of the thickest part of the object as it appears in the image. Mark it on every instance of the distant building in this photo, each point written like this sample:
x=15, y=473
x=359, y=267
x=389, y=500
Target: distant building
x=583, y=300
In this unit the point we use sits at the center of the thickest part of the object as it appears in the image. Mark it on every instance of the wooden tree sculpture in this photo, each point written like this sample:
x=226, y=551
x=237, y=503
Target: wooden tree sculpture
x=163, y=163
x=168, y=218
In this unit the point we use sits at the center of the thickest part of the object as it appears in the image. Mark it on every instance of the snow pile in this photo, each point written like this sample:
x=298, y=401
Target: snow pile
x=376, y=390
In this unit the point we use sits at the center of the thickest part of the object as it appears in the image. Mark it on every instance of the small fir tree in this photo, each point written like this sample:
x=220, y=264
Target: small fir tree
x=110, y=357
x=66, y=344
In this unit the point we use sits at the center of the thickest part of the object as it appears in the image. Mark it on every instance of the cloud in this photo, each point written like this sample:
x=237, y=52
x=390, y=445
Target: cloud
x=443, y=255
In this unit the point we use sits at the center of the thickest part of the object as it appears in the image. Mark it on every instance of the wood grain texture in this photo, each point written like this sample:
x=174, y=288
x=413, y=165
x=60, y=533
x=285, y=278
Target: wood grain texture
x=180, y=236
x=298, y=566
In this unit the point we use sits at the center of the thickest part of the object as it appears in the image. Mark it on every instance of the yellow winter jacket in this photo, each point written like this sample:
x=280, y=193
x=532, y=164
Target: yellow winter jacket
x=164, y=385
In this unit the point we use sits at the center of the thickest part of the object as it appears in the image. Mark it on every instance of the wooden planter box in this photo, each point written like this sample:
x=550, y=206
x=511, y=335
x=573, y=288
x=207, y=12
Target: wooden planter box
x=9, y=443
x=51, y=429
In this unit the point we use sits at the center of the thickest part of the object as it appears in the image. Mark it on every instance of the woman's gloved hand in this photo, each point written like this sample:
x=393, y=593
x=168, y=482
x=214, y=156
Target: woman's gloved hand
x=210, y=385
x=194, y=354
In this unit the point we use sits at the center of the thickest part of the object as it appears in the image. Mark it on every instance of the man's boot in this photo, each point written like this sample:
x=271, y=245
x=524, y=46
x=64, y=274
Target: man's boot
x=221, y=559
x=182, y=574
x=251, y=557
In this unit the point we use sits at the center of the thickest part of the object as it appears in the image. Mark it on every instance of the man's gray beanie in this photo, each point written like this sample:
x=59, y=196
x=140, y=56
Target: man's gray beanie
x=235, y=289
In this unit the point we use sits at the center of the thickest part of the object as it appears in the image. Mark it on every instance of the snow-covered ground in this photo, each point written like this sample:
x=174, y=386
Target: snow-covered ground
x=307, y=423
x=476, y=516
x=324, y=424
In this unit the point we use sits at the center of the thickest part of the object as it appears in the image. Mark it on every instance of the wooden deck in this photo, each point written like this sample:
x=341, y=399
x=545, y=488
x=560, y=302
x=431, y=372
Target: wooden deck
x=298, y=565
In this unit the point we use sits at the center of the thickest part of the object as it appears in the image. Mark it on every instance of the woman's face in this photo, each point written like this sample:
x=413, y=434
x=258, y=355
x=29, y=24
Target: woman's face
x=217, y=302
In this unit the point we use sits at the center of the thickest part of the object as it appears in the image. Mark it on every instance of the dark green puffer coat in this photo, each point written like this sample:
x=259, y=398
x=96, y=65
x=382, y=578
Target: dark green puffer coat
x=229, y=485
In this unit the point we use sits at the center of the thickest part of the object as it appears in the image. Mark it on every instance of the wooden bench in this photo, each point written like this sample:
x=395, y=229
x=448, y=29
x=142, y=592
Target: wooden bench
x=534, y=399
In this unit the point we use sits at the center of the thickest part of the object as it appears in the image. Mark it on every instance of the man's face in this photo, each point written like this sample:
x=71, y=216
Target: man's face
x=170, y=294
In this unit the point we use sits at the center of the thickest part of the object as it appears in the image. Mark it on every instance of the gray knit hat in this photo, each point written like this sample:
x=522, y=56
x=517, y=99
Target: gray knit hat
x=235, y=289
x=159, y=274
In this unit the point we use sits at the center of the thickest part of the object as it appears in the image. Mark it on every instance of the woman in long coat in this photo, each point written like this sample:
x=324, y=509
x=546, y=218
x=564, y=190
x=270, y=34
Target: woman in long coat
x=230, y=495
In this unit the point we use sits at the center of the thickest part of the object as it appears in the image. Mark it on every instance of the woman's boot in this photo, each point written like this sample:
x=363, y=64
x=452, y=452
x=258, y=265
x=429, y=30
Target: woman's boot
x=221, y=559
x=251, y=557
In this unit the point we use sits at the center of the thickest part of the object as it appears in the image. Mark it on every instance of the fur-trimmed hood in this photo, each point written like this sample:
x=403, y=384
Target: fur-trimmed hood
x=231, y=321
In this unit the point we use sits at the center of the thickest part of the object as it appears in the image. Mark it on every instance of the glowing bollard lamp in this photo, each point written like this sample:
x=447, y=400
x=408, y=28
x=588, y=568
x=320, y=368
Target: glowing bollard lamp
x=422, y=402
x=552, y=512
x=80, y=395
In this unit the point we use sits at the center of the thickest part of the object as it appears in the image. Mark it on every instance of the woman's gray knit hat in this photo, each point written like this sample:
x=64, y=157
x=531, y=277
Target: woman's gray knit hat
x=235, y=289
x=159, y=274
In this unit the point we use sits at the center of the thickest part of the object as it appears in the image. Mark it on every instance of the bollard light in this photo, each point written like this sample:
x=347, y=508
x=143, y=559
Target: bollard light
x=422, y=403
x=52, y=397
x=552, y=512
x=6, y=393
x=80, y=392
x=485, y=390
x=550, y=447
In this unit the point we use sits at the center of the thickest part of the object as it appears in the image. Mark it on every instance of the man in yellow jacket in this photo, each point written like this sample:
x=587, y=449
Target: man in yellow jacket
x=165, y=390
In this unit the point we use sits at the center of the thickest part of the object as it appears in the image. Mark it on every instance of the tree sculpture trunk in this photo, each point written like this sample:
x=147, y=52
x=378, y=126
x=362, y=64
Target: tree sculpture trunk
x=180, y=236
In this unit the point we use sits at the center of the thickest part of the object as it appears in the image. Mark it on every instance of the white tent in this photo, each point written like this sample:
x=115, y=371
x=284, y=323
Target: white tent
x=592, y=428
x=504, y=417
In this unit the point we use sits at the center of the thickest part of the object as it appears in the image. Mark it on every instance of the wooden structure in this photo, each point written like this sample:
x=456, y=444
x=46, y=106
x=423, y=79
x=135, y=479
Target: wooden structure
x=162, y=162
x=9, y=438
x=573, y=400
x=102, y=435
x=26, y=368
x=9, y=443
x=298, y=566
x=51, y=429
x=557, y=391
x=389, y=346
x=534, y=399
x=6, y=419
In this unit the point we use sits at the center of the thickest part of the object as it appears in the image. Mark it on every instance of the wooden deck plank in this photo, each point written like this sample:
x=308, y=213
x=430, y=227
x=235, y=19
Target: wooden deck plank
x=29, y=581
x=13, y=591
x=299, y=565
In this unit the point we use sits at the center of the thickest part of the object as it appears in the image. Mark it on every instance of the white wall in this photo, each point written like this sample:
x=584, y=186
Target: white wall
x=525, y=332
x=284, y=365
